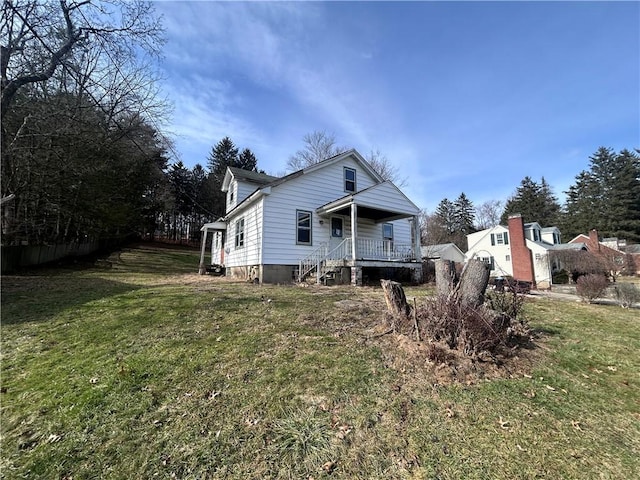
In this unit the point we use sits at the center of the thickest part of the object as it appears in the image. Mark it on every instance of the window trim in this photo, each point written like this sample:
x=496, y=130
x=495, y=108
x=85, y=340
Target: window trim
x=239, y=233
x=346, y=181
x=299, y=228
x=385, y=237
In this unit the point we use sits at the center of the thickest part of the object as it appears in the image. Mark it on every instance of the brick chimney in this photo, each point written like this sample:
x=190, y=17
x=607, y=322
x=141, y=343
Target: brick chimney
x=594, y=243
x=521, y=257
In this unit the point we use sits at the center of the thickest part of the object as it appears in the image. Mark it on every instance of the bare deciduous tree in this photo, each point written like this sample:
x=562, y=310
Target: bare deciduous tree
x=40, y=37
x=488, y=214
x=383, y=167
x=318, y=146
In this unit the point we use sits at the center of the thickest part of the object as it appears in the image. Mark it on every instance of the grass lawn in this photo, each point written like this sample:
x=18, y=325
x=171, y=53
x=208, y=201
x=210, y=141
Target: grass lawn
x=147, y=370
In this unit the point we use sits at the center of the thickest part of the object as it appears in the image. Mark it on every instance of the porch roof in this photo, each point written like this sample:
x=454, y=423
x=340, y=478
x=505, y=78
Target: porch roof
x=382, y=202
x=213, y=227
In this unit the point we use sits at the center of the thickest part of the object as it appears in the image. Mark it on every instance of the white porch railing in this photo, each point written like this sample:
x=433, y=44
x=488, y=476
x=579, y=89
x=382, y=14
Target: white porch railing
x=373, y=249
x=366, y=249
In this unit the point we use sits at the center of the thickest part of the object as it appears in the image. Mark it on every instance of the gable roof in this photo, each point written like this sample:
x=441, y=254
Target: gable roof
x=275, y=181
x=249, y=176
x=435, y=251
x=370, y=198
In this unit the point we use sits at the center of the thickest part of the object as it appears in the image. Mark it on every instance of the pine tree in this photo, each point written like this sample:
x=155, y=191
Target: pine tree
x=534, y=201
x=464, y=215
x=247, y=160
x=607, y=197
x=581, y=207
x=223, y=155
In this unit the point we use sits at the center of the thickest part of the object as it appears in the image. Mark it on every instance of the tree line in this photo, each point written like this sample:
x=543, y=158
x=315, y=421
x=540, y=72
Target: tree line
x=605, y=196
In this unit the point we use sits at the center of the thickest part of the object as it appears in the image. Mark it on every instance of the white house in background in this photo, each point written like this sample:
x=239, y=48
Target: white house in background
x=518, y=250
x=337, y=219
x=443, y=251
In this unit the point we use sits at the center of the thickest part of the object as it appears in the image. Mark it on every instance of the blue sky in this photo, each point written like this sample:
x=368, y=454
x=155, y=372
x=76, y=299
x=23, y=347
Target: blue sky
x=460, y=96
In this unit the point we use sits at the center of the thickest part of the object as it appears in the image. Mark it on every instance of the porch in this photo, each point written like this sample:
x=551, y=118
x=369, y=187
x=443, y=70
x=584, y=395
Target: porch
x=361, y=234
x=370, y=253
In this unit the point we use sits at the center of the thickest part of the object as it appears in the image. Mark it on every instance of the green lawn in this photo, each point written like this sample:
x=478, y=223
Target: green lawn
x=147, y=370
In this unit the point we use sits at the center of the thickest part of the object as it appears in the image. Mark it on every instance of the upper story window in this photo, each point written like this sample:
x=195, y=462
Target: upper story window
x=239, y=233
x=349, y=180
x=303, y=229
x=500, y=238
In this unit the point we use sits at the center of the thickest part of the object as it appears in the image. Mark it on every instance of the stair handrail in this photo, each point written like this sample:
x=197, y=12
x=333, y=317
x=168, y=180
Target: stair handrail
x=311, y=262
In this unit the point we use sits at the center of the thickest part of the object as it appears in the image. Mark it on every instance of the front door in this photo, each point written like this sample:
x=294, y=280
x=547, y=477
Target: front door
x=337, y=232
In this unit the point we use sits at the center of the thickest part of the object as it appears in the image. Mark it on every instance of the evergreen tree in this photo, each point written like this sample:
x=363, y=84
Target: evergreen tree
x=581, y=207
x=223, y=155
x=534, y=201
x=607, y=197
x=452, y=222
x=445, y=215
x=247, y=160
x=464, y=215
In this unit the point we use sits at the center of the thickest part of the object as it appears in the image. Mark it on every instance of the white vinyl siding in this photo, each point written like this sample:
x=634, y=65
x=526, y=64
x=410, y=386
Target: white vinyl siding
x=238, y=191
x=306, y=192
x=251, y=253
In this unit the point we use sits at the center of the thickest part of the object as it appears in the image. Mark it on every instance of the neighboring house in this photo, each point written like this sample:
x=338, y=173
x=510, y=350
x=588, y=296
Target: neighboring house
x=336, y=219
x=613, y=258
x=518, y=250
x=443, y=251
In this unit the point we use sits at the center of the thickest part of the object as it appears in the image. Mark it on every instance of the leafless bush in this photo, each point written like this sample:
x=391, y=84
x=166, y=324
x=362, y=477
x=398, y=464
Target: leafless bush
x=627, y=294
x=591, y=286
x=510, y=304
x=472, y=330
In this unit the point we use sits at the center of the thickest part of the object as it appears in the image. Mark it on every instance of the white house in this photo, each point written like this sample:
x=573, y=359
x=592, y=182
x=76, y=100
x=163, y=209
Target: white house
x=443, y=251
x=518, y=250
x=336, y=219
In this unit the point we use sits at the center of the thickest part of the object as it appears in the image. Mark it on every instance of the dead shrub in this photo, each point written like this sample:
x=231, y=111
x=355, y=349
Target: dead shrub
x=591, y=286
x=439, y=354
x=461, y=327
x=510, y=304
x=627, y=294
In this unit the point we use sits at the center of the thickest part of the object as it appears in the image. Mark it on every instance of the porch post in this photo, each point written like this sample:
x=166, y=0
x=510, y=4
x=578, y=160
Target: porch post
x=354, y=229
x=416, y=240
x=202, y=270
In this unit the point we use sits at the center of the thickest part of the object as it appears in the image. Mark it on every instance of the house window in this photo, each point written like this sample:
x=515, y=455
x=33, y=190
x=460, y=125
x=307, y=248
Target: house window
x=239, y=233
x=303, y=236
x=538, y=257
x=500, y=238
x=387, y=231
x=507, y=258
x=349, y=180
x=336, y=227
x=489, y=261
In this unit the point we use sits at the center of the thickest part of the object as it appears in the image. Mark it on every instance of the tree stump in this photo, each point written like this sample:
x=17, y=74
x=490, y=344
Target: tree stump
x=473, y=284
x=395, y=298
x=446, y=277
